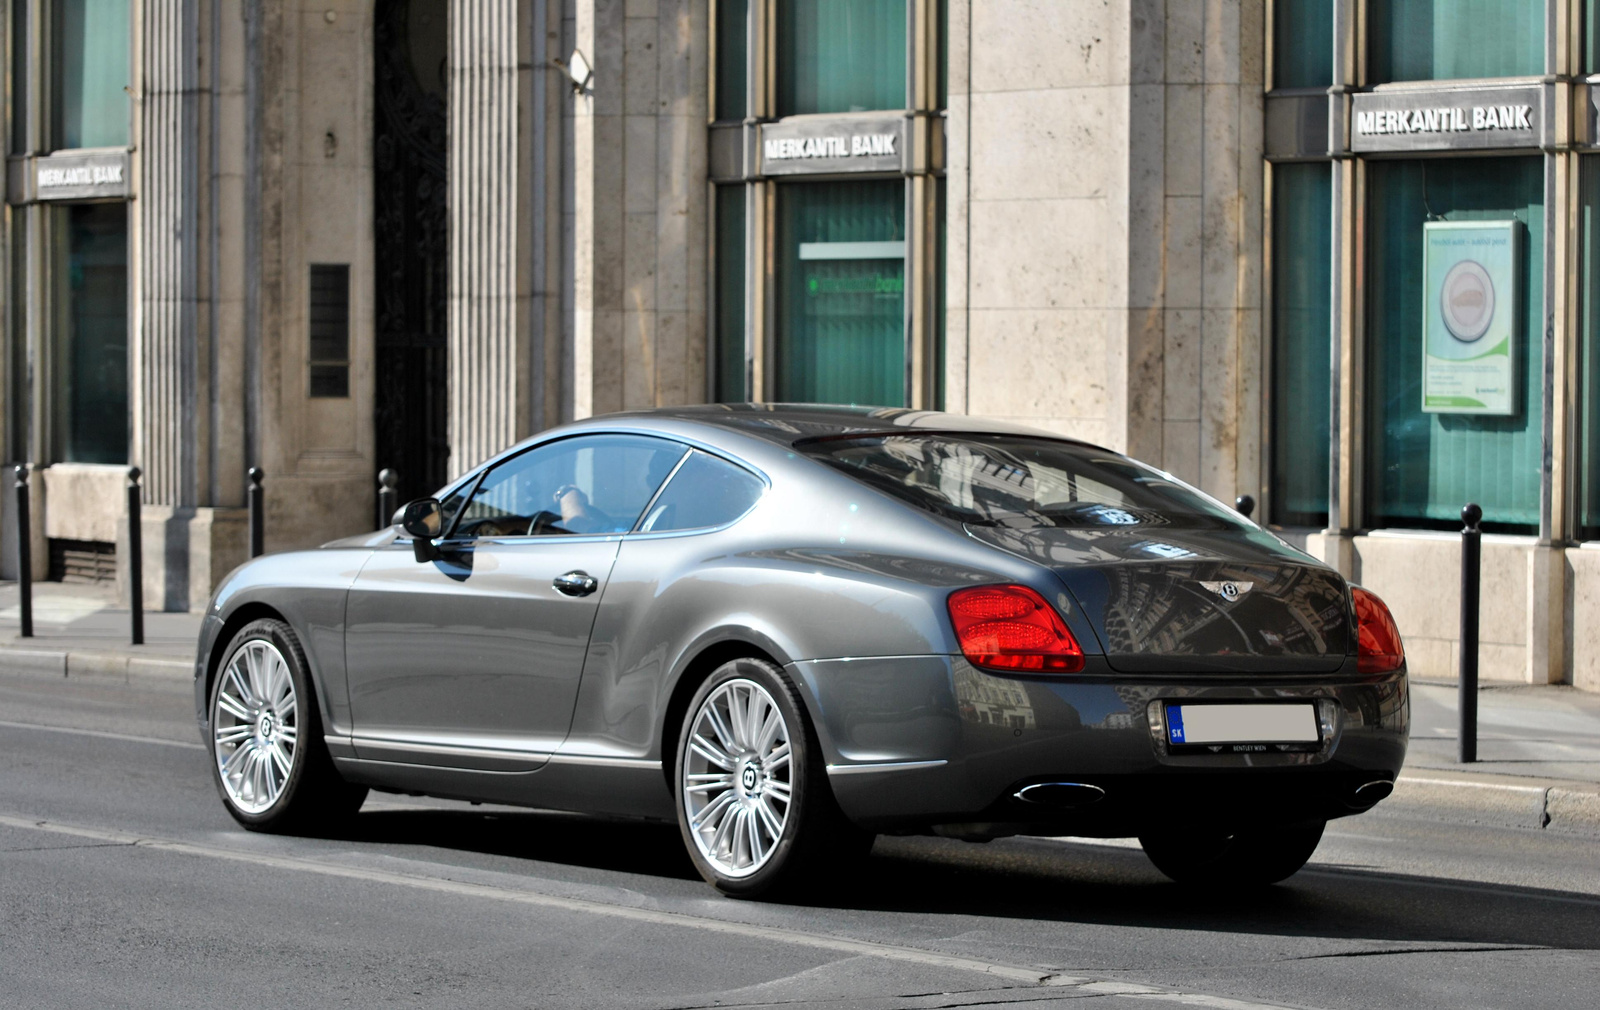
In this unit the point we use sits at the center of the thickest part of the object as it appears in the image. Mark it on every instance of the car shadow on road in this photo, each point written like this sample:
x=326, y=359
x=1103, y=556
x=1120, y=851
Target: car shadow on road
x=546, y=836
x=1044, y=880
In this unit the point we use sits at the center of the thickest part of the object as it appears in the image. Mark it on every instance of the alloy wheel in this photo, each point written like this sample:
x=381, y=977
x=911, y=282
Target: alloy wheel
x=738, y=778
x=255, y=726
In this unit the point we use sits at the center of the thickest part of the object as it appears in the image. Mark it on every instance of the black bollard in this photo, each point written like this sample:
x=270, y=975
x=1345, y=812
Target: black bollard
x=388, y=497
x=1467, y=698
x=24, y=554
x=135, y=558
x=257, y=498
x=1245, y=504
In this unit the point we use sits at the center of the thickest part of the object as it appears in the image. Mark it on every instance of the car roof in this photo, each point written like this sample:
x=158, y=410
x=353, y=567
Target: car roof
x=788, y=423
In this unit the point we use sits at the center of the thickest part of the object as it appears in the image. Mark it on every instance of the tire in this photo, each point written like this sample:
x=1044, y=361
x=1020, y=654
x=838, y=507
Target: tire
x=1252, y=858
x=268, y=758
x=754, y=806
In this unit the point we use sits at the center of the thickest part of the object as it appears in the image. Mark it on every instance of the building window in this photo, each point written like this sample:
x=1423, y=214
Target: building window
x=1422, y=40
x=1591, y=36
x=1421, y=466
x=1589, y=393
x=1302, y=335
x=841, y=292
x=330, y=329
x=841, y=55
x=1302, y=44
x=729, y=380
x=91, y=68
x=733, y=55
x=90, y=373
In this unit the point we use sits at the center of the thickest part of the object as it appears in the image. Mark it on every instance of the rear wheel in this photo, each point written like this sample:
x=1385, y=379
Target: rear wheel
x=753, y=799
x=1254, y=857
x=268, y=756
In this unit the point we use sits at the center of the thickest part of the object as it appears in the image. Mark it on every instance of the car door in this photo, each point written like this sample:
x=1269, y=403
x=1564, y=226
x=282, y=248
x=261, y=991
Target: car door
x=472, y=660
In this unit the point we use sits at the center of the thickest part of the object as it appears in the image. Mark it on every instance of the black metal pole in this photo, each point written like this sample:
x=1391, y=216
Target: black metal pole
x=135, y=558
x=1471, y=557
x=24, y=554
x=1245, y=504
x=388, y=497
x=257, y=518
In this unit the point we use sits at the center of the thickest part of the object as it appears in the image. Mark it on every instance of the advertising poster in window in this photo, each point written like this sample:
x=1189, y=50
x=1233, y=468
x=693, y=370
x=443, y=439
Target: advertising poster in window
x=1469, y=325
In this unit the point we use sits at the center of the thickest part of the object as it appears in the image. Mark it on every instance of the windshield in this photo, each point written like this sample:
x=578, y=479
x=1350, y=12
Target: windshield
x=1020, y=481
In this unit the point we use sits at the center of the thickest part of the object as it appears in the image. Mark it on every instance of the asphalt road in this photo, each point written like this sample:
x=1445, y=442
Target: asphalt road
x=124, y=883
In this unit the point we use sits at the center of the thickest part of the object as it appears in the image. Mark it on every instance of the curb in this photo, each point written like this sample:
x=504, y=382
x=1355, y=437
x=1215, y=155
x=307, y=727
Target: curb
x=1573, y=807
x=95, y=664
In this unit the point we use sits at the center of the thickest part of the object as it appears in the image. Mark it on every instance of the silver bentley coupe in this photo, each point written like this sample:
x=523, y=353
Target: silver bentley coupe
x=791, y=628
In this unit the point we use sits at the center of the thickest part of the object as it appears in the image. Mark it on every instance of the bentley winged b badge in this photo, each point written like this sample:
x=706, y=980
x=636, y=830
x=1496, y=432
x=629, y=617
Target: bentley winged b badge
x=1229, y=591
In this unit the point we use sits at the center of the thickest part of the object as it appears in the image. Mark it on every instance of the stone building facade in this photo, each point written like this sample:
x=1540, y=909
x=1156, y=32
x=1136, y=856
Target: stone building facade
x=353, y=234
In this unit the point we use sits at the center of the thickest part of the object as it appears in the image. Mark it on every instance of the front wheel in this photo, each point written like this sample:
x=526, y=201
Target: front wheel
x=753, y=799
x=268, y=757
x=1254, y=857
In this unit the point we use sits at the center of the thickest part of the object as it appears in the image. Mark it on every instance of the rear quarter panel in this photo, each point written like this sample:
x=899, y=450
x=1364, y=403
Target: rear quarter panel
x=822, y=568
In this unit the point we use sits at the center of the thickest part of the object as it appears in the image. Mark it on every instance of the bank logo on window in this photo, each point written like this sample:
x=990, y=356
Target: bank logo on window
x=1469, y=325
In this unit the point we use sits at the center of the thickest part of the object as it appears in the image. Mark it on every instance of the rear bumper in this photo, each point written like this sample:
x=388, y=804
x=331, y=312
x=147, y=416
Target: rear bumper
x=918, y=742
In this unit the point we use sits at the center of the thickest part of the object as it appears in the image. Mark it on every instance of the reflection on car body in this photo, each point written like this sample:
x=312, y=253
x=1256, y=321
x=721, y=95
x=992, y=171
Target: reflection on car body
x=792, y=628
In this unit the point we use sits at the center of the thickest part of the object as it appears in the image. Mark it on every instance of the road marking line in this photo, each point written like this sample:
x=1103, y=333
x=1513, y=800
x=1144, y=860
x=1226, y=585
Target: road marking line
x=127, y=737
x=819, y=941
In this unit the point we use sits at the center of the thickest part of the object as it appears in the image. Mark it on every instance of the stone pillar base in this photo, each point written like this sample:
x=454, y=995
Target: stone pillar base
x=186, y=553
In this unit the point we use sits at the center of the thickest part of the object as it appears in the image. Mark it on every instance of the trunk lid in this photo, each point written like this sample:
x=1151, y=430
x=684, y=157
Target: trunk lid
x=1168, y=599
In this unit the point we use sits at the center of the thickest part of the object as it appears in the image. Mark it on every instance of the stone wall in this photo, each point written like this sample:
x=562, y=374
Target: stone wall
x=1105, y=225
x=638, y=206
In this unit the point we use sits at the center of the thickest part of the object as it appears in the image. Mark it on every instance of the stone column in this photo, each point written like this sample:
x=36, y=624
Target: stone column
x=490, y=356
x=167, y=261
x=169, y=275
x=639, y=205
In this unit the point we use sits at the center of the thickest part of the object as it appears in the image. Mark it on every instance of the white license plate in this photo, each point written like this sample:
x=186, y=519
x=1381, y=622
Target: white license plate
x=1191, y=725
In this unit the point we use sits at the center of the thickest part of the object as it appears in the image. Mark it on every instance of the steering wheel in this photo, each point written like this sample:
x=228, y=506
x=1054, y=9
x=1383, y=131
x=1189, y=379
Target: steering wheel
x=545, y=522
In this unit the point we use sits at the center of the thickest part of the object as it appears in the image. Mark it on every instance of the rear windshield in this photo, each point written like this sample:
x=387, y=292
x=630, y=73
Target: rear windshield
x=1018, y=481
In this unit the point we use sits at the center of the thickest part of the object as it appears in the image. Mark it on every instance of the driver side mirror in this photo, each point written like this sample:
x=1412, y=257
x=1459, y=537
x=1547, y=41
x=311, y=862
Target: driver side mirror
x=423, y=520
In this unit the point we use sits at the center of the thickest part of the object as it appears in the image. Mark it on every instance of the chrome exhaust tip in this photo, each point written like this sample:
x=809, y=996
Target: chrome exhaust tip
x=1370, y=793
x=1061, y=794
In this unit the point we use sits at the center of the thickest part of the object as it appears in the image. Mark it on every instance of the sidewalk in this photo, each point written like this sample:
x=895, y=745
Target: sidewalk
x=80, y=630
x=1539, y=746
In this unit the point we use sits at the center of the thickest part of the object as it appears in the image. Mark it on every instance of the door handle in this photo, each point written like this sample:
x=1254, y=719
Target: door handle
x=575, y=583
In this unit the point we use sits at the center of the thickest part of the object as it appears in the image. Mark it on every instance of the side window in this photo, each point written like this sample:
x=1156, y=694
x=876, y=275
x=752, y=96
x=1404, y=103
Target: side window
x=588, y=484
x=706, y=491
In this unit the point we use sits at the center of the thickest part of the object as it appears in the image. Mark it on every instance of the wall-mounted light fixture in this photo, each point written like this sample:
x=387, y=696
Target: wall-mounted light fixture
x=578, y=71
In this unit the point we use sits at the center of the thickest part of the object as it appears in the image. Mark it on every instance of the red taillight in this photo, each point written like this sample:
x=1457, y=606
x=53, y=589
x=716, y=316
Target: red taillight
x=1380, y=650
x=1012, y=628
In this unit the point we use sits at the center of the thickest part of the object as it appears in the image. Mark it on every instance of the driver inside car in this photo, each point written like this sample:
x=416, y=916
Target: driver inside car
x=577, y=515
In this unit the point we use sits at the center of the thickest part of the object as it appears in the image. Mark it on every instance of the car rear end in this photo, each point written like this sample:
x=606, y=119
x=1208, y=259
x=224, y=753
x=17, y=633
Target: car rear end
x=1168, y=665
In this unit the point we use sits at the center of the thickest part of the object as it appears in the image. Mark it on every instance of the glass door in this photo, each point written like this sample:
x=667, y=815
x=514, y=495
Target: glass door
x=841, y=293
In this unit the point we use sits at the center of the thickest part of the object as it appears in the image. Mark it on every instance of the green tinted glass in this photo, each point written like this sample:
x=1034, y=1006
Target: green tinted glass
x=841, y=55
x=730, y=295
x=91, y=337
x=841, y=293
x=1422, y=467
x=1302, y=316
x=733, y=45
x=1302, y=44
x=1421, y=40
x=91, y=72
x=1589, y=428
x=1591, y=36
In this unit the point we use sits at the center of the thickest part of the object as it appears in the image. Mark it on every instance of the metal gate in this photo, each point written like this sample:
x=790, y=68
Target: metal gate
x=411, y=224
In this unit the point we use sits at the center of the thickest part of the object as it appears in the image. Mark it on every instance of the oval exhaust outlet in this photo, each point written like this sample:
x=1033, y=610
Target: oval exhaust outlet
x=1061, y=794
x=1370, y=793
